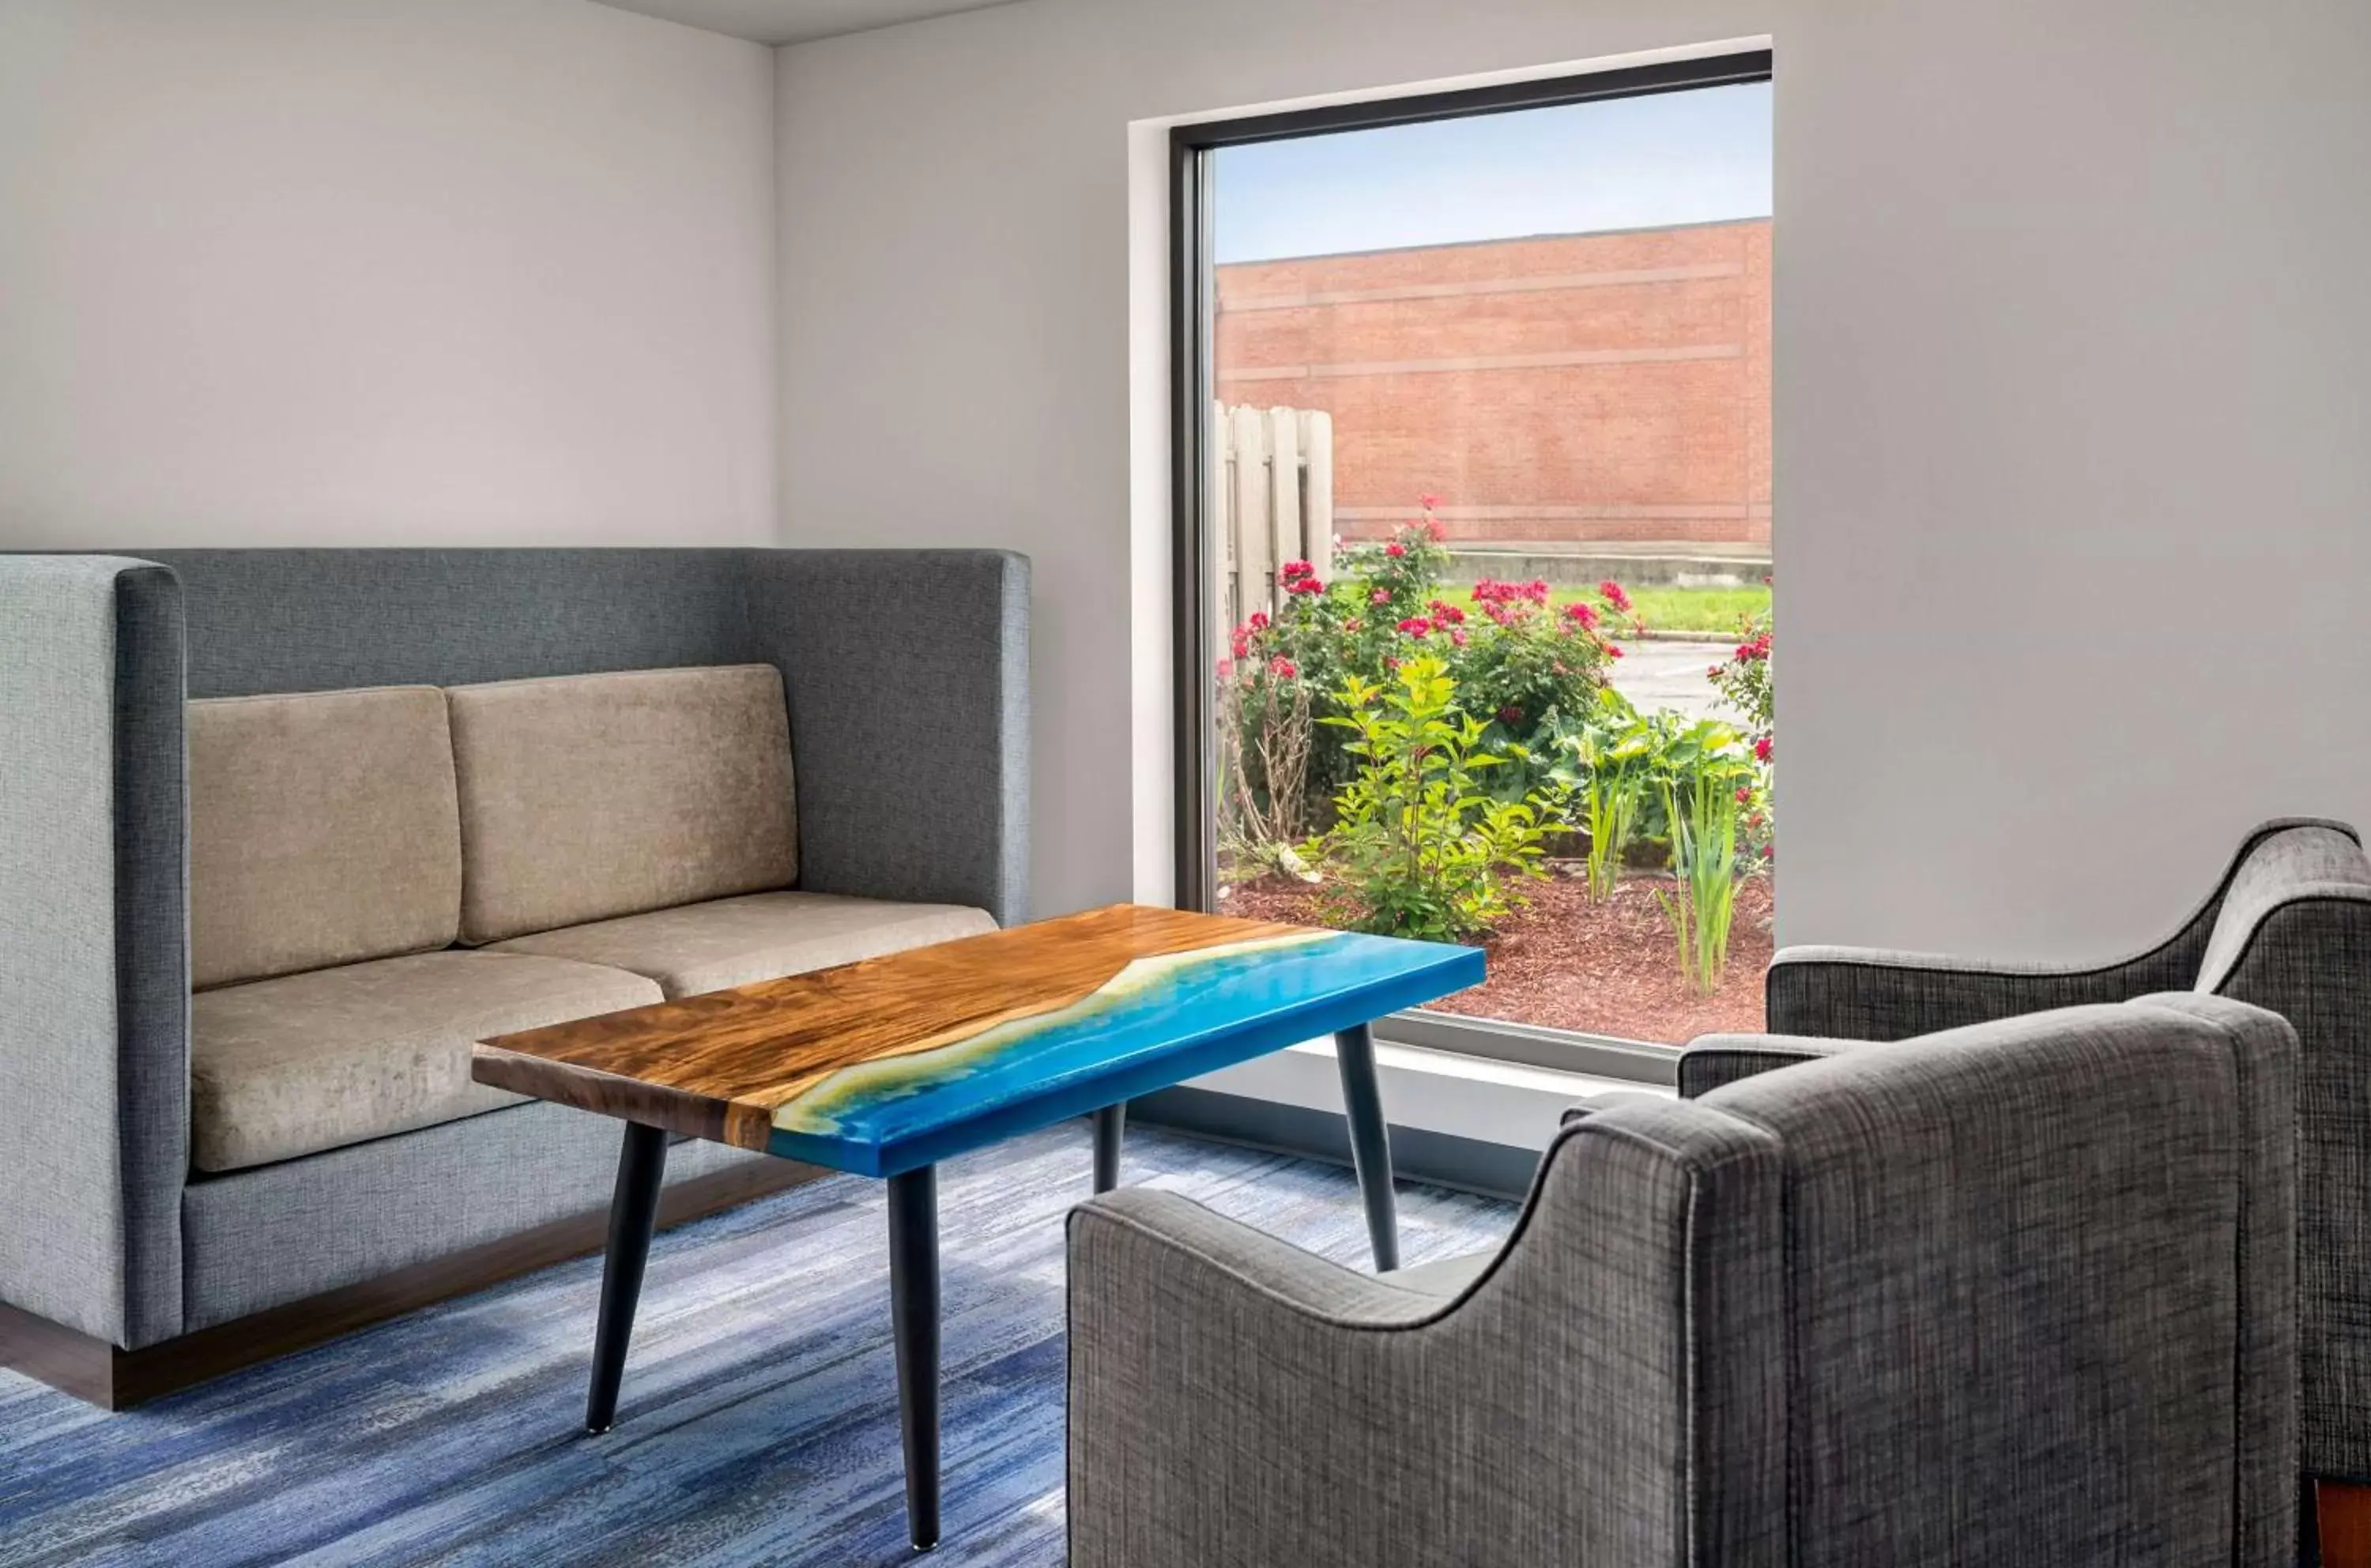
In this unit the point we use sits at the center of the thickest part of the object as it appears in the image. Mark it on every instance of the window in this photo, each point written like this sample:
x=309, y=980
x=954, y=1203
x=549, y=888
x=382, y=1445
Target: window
x=1472, y=532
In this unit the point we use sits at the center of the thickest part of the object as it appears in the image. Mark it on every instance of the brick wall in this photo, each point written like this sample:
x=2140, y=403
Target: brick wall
x=1573, y=387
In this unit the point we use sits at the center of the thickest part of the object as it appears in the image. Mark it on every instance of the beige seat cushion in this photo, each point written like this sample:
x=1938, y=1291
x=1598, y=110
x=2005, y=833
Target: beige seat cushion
x=323, y=829
x=311, y=1062
x=738, y=941
x=591, y=796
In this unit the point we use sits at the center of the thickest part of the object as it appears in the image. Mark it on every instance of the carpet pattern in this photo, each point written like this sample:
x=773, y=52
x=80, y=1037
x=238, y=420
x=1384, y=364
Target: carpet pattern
x=758, y=1423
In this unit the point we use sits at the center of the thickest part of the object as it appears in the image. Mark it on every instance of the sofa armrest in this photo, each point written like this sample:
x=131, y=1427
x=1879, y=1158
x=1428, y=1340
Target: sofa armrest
x=908, y=677
x=94, y=1031
x=1712, y=1061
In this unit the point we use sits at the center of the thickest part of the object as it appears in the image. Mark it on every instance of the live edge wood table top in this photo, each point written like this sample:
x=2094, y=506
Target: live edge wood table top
x=896, y=1063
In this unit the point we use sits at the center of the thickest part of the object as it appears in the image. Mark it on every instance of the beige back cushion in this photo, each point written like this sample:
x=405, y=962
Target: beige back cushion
x=323, y=830
x=591, y=796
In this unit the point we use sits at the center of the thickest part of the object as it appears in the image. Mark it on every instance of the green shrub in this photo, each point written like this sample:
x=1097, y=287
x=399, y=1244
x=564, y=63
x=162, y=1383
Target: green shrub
x=1419, y=848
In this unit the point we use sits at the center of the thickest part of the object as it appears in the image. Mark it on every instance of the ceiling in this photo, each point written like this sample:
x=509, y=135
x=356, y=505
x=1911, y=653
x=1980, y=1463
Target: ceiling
x=796, y=21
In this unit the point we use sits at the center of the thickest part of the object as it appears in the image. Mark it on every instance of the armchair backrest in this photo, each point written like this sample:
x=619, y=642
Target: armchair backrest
x=2024, y=1291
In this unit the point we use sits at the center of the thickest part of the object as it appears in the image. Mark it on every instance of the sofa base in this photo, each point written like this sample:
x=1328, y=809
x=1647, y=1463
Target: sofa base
x=115, y=1379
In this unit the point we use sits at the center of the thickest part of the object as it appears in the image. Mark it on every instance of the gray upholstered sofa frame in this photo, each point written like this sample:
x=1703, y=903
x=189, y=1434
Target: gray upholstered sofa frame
x=122, y=1275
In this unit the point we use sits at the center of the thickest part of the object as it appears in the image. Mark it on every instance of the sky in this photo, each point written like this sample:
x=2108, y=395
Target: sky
x=1683, y=158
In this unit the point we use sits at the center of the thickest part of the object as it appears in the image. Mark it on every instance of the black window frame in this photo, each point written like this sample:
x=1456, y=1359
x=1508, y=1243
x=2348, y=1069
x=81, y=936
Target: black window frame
x=1190, y=271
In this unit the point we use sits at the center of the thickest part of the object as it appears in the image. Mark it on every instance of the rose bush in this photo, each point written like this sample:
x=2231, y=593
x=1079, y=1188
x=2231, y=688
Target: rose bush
x=1406, y=744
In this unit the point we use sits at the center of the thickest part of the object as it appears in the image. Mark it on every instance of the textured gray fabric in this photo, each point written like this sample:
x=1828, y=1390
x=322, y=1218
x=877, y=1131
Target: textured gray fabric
x=908, y=679
x=2018, y=1295
x=1234, y=1403
x=2288, y=868
x=2310, y=960
x=2050, y=1258
x=2287, y=928
x=323, y=830
x=304, y=1063
x=94, y=990
x=762, y=936
x=1874, y=994
x=317, y=620
x=259, y=1237
x=1712, y=1061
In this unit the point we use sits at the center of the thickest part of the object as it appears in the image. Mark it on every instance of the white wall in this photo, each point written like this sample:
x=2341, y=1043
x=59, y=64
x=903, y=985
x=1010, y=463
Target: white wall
x=427, y=271
x=2073, y=444
x=957, y=315
x=2073, y=455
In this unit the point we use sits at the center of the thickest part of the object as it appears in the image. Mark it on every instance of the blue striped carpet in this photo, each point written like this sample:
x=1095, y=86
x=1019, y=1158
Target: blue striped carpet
x=759, y=1419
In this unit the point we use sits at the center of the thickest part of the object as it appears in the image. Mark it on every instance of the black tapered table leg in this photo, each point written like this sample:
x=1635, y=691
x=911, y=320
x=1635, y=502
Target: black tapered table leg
x=1111, y=1130
x=1371, y=1143
x=633, y=1210
x=914, y=1318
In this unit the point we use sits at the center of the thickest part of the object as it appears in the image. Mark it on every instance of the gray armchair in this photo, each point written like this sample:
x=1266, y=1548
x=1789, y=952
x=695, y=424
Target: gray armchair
x=2288, y=928
x=2023, y=1293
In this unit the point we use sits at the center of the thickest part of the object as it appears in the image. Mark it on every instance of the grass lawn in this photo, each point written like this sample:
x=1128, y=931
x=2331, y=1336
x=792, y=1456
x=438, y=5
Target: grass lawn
x=1715, y=610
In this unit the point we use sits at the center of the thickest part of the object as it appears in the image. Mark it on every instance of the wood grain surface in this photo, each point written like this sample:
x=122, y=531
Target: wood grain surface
x=718, y=1065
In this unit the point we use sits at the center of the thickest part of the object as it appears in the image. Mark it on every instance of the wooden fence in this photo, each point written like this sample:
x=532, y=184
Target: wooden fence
x=1272, y=500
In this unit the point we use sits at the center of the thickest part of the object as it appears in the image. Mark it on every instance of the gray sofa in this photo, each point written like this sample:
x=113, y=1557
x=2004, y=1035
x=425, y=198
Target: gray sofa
x=2287, y=928
x=2022, y=1292
x=282, y=831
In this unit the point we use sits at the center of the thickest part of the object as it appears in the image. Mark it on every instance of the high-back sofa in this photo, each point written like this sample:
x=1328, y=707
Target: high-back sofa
x=833, y=762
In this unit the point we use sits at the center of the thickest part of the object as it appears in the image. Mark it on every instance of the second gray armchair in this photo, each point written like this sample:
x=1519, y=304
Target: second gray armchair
x=2020, y=1293
x=2287, y=928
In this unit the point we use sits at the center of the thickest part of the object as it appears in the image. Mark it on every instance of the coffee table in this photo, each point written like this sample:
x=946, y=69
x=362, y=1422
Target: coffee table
x=886, y=1067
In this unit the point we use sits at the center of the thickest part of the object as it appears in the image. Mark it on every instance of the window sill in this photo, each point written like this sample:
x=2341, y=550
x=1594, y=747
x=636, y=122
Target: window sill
x=1482, y=1100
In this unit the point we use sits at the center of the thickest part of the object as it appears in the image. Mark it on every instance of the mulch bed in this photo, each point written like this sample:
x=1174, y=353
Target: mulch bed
x=1566, y=964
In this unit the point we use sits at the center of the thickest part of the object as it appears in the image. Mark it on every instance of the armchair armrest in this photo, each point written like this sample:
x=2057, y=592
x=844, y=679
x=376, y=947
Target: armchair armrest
x=94, y=1052
x=909, y=721
x=1713, y=1060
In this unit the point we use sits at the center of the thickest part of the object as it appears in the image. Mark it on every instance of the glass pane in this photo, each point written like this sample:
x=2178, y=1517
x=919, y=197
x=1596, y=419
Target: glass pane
x=1490, y=515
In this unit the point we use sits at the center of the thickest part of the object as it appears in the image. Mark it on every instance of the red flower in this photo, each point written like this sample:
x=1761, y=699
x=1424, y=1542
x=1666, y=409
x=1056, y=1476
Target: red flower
x=1416, y=625
x=1745, y=794
x=1762, y=749
x=1712, y=672
x=1350, y=623
x=1612, y=651
x=1457, y=639
x=1226, y=669
x=1581, y=614
x=1380, y=596
x=1305, y=585
x=1259, y=620
x=1511, y=714
x=1446, y=614
x=1242, y=644
x=1436, y=530
x=1611, y=592
x=1537, y=590
x=1282, y=669
x=1428, y=500
x=1395, y=549
x=1294, y=570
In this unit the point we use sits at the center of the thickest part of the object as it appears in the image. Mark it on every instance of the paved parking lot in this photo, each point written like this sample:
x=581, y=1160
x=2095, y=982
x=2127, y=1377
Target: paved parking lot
x=1671, y=675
